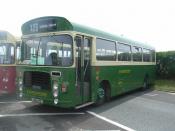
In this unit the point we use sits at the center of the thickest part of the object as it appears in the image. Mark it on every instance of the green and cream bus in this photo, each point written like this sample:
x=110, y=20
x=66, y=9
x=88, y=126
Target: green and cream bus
x=68, y=65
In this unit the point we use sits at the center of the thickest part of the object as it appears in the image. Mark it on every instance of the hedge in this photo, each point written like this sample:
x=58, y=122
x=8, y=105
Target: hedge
x=165, y=65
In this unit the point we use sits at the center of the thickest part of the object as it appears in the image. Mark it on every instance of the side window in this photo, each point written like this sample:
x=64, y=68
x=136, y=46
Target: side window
x=124, y=52
x=137, y=53
x=87, y=48
x=105, y=50
x=146, y=55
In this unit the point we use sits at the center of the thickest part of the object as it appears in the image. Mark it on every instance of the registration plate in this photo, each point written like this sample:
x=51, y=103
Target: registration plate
x=35, y=100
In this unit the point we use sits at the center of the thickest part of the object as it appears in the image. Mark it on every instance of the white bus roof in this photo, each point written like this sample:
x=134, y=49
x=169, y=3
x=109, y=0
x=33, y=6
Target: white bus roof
x=6, y=37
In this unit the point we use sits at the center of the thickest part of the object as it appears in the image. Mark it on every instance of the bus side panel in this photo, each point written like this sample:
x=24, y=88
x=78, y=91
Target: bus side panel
x=122, y=78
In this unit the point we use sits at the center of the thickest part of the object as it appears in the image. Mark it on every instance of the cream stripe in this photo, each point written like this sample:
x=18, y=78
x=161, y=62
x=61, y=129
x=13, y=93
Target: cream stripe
x=118, y=63
x=7, y=65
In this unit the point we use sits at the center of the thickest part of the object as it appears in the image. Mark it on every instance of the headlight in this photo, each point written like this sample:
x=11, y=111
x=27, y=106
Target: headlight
x=55, y=93
x=20, y=95
x=20, y=84
x=55, y=86
x=20, y=81
x=20, y=88
x=55, y=89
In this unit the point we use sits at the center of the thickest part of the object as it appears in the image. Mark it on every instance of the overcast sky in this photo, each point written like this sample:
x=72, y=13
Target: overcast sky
x=148, y=21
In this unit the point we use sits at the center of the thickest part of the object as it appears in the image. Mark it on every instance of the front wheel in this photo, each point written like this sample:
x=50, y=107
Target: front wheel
x=100, y=96
x=103, y=93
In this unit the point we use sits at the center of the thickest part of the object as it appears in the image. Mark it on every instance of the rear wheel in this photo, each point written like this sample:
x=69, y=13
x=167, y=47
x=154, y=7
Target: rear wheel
x=145, y=84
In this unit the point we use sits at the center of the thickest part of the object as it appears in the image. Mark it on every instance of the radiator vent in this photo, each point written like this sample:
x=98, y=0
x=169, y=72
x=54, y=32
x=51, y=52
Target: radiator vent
x=37, y=80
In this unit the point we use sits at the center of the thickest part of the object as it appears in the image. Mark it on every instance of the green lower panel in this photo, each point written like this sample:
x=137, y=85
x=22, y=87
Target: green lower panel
x=45, y=97
x=69, y=98
x=122, y=78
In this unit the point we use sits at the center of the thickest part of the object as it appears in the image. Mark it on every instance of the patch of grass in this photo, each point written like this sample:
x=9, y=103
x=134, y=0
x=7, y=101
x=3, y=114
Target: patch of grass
x=165, y=85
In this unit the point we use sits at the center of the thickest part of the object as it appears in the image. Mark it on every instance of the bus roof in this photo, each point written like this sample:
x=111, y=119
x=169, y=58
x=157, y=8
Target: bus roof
x=6, y=37
x=54, y=23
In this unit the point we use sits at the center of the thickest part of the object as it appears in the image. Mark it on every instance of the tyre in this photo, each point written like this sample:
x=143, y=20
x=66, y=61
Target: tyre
x=103, y=93
x=145, y=84
x=100, y=95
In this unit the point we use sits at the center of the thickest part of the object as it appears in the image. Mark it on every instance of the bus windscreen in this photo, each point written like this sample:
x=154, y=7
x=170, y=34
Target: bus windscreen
x=53, y=50
x=7, y=52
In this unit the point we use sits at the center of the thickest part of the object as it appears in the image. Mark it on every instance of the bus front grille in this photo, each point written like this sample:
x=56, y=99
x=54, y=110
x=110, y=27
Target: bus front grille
x=37, y=80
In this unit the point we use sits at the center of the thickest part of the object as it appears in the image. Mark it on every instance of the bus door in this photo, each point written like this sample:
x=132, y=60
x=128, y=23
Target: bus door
x=83, y=67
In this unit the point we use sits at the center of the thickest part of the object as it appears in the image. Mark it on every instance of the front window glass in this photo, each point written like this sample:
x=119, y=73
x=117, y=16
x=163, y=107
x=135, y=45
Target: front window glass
x=7, y=54
x=53, y=50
